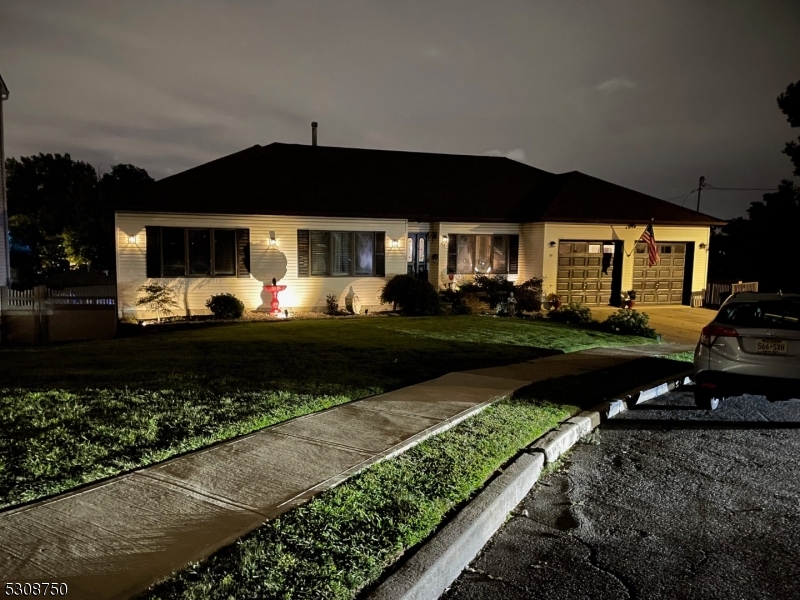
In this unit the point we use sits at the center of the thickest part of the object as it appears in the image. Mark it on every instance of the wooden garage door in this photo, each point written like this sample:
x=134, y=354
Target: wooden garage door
x=581, y=277
x=662, y=283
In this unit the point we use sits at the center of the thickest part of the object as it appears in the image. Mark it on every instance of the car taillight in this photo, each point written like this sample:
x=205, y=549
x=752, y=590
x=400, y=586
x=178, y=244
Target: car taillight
x=712, y=332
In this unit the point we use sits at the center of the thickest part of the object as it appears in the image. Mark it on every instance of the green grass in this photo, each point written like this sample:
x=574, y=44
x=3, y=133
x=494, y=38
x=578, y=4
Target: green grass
x=328, y=356
x=343, y=539
x=75, y=413
x=56, y=440
x=687, y=356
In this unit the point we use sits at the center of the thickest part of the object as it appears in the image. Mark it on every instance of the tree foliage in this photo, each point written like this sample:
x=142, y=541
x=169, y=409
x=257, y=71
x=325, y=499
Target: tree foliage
x=789, y=103
x=762, y=246
x=61, y=213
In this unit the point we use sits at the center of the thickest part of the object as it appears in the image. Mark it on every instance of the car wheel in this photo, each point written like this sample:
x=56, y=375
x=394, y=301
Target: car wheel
x=706, y=400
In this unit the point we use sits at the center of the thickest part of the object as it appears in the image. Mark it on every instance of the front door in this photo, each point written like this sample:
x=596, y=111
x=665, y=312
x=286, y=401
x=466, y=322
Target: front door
x=417, y=255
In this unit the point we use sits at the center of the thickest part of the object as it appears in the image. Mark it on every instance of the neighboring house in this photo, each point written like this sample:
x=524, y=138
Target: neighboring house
x=325, y=220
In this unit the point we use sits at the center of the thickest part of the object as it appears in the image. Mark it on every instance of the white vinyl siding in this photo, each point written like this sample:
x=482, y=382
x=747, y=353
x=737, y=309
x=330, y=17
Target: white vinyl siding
x=266, y=262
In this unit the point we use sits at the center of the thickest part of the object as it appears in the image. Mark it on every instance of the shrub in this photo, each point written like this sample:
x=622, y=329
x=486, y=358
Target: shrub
x=495, y=290
x=159, y=298
x=529, y=295
x=460, y=308
x=629, y=322
x=413, y=296
x=574, y=312
x=332, y=304
x=225, y=306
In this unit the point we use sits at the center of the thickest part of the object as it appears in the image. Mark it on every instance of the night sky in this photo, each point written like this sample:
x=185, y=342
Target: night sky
x=649, y=95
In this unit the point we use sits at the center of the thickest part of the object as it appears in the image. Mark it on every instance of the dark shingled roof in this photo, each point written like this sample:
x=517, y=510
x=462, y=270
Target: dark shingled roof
x=300, y=180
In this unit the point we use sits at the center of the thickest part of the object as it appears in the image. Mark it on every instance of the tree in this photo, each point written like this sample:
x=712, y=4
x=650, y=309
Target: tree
x=762, y=246
x=61, y=214
x=159, y=298
x=789, y=103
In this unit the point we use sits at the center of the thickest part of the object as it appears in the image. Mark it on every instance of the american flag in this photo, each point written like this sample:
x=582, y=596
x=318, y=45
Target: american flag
x=649, y=238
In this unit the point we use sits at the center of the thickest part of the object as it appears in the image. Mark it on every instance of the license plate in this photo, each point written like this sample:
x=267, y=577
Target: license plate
x=771, y=347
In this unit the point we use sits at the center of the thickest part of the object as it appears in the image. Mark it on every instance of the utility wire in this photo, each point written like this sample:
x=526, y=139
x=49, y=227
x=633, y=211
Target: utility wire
x=708, y=186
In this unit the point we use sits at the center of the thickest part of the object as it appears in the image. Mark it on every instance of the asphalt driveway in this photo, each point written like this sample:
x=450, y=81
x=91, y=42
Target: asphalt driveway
x=663, y=502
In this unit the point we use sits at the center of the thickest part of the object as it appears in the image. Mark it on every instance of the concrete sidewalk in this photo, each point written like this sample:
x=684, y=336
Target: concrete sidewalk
x=116, y=538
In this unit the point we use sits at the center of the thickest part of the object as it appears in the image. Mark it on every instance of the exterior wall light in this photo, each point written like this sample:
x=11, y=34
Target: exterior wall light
x=445, y=239
x=272, y=241
x=552, y=244
x=131, y=239
x=394, y=243
x=703, y=246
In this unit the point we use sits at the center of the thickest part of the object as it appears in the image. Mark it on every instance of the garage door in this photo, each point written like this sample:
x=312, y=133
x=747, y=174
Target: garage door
x=662, y=283
x=584, y=272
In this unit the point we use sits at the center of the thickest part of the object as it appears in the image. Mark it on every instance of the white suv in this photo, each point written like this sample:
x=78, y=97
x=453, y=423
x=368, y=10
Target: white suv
x=751, y=346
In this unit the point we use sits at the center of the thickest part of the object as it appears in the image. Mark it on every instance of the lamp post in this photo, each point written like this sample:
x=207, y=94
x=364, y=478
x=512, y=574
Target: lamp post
x=5, y=266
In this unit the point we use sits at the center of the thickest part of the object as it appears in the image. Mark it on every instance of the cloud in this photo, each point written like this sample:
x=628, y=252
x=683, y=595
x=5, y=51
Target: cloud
x=517, y=154
x=616, y=84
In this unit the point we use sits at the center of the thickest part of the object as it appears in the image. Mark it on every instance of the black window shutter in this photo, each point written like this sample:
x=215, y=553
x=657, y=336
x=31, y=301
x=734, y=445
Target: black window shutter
x=380, y=254
x=513, y=254
x=302, y=253
x=153, y=252
x=243, y=253
x=452, y=253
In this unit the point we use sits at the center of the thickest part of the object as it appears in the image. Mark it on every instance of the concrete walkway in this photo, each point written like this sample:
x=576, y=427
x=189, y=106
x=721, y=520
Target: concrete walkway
x=116, y=538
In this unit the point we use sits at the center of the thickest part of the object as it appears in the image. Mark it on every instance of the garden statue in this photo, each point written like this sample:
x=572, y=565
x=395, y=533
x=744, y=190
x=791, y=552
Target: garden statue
x=512, y=305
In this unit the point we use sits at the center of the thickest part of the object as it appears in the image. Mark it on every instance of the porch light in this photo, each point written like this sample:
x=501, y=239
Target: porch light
x=272, y=241
x=445, y=239
x=702, y=246
x=131, y=239
x=394, y=243
x=552, y=244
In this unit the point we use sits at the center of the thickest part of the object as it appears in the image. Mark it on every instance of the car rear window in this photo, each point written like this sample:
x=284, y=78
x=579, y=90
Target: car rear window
x=774, y=314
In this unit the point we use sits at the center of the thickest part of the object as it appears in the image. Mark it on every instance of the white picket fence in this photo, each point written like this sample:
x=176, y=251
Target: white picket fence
x=41, y=314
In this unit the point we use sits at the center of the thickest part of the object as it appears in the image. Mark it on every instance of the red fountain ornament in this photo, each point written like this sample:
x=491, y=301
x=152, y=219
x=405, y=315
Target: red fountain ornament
x=275, y=289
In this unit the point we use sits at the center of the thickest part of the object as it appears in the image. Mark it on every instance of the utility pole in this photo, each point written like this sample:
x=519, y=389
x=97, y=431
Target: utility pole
x=5, y=267
x=700, y=189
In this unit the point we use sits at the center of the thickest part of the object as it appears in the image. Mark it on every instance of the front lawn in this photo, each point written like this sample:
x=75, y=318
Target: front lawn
x=73, y=414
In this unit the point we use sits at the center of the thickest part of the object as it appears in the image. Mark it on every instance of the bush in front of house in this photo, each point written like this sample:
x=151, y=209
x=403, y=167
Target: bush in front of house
x=413, y=296
x=495, y=290
x=629, y=322
x=460, y=308
x=225, y=306
x=331, y=304
x=574, y=312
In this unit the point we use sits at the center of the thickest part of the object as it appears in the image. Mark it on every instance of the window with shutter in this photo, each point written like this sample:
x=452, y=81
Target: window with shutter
x=194, y=252
x=341, y=253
